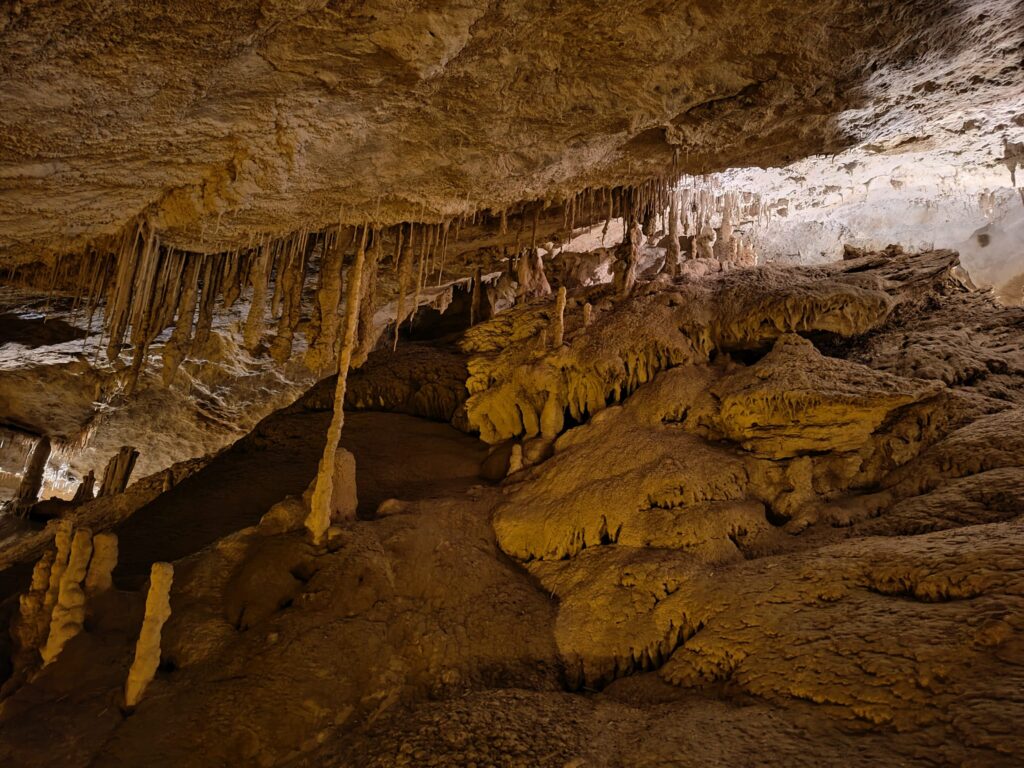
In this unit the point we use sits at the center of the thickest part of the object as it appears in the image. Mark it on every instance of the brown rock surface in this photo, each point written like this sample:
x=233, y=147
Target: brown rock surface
x=295, y=112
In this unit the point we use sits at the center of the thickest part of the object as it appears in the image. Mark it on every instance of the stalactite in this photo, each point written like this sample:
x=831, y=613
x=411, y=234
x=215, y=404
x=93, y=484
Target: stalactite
x=687, y=220
x=444, y=251
x=367, y=334
x=232, y=284
x=291, y=312
x=323, y=340
x=207, y=303
x=322, y=502
x=258, y=278
x=404, y=276
x=552, y=417
x=278, y=270
x=671, y=267
x=419, y=283
x=181, y=338
x=475, y=299
x=172, y=283
x=398, y=248
x=119, y=298
x=151, y=303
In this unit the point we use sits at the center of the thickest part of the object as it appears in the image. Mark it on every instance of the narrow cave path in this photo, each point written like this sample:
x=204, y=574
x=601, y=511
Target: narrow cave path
x=397, y=456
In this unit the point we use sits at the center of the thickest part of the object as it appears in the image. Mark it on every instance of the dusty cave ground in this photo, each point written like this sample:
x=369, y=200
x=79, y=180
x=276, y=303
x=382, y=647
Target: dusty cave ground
x=783, y=530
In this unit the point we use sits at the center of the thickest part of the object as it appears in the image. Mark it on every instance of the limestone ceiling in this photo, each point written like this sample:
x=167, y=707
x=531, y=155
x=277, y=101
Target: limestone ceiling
x=220, y=120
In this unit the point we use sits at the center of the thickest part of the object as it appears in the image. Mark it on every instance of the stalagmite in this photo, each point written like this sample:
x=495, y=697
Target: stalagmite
x=515, y=459
x=69, y=610
x=322, y=502
x=558, y=335
x=588, y=312
x=118, y=471
x=86, y=488
x=62, y=549
x=253, y=332
x=746, y=256
x=726, y=240
x=104, y=559
x=147, y=650
x=626, y=274
x=704, y=243
x=32, y=479
x=28, y=631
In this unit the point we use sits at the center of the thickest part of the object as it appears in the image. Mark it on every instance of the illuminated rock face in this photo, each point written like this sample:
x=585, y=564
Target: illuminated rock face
x=147, y=650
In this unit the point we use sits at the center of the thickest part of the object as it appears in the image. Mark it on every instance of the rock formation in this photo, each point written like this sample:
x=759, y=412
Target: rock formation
x=511, y=384
x=322, y=503
x=101, y=566
x=32, y=477
x=118, y=471
x=69, y=609
x=147, y=649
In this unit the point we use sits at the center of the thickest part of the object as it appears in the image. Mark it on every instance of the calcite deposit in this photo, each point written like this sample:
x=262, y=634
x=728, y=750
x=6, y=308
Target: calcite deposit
x=460, y=383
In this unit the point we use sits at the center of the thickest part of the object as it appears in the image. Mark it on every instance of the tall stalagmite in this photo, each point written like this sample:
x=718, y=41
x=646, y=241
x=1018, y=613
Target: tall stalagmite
x=69, y=610
x=322, y=502
x=147, y=649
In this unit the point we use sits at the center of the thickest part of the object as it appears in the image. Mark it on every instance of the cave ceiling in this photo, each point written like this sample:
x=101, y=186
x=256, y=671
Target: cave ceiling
x=219, y=122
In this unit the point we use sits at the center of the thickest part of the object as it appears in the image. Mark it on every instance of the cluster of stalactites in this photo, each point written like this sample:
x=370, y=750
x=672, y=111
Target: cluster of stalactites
x=146, y=287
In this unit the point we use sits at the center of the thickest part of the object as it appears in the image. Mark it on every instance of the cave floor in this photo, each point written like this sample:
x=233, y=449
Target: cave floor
x=397, y=456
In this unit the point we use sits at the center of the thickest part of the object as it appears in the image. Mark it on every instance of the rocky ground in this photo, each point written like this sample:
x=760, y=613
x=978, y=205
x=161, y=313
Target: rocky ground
x=751, y=517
